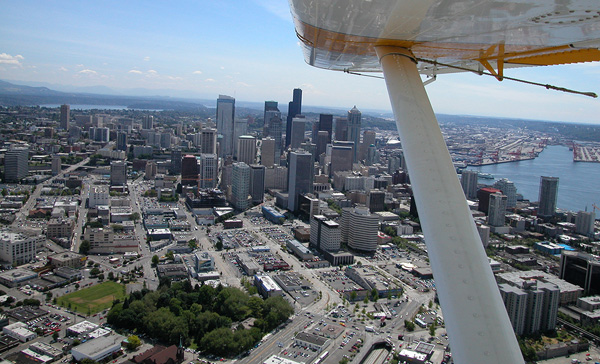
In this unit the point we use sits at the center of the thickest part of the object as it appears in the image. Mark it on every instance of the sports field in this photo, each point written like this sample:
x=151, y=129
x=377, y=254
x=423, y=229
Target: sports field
x=93, y=299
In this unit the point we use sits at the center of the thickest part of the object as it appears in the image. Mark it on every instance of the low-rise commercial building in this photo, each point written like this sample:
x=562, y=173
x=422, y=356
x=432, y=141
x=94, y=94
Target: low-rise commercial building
x=98, y=349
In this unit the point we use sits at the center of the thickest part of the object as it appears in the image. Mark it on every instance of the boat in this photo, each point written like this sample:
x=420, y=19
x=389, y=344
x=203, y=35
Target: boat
x=485, y=175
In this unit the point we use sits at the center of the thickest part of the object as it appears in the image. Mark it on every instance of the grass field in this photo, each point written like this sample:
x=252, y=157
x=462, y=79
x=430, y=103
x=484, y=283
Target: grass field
x=93, y=299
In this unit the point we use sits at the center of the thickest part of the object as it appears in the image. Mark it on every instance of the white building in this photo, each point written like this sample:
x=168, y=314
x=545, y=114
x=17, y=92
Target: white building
x=98, y=348
x=19, y=331
x=325, y=234
x=240, y=186
x=18, y=248
x=584, y=223
x=267, y=287
x=98, y=196
x=359, y=228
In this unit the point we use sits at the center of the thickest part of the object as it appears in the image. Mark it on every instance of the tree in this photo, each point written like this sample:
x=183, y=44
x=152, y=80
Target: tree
x=432, y=329
x=111, y=276
x=155, y=260
x=409, y=325
x=55, y=336
x=135, y=216
x=84, y=247
x=170, y=255
x=133, y=342
x=94, y=272
x=219, y=245
x=193, y=244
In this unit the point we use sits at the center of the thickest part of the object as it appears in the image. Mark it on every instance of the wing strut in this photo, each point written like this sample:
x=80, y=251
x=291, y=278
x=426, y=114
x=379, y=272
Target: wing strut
x=476, y=320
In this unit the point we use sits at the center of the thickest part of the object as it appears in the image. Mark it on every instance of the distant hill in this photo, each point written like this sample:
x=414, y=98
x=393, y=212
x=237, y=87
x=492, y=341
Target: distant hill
x=14, y=95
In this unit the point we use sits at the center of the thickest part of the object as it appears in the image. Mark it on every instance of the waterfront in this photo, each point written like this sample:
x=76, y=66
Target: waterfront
x=578, y=181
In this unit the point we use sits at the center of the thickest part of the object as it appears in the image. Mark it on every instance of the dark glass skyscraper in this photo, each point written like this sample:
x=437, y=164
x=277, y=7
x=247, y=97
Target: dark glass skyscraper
x=294, y=108
x=354, y=120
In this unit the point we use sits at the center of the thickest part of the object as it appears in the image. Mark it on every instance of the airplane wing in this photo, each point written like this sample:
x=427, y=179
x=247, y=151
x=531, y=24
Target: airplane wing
x=405, y=39
x=472, y=34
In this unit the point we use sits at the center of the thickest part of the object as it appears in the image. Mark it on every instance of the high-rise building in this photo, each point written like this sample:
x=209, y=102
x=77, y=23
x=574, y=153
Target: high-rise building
x=151, y=169
x=208, y=170
x=56, y=165
x=298, y=128
x=257, y=183
x=354, y=121
x=165, y=140
x=122, y=141
x=326, y=124
x=468, y=180
x=300, y=176
x=376, y=200
x=189, y=171
x=240, y=127
x=484, y=198
x=325, y=234
x=341, y=129
x=321, y=141
x=276, y=178
x=294, y=109
x=176, y=157
x=533, y=307
x=271, y=111
x=99, y=134
x=65, y=116
x=240, y=185
x=497, y=209
x=508, y=188
x=208, y=141
x=148, y=122
x=246, y=149
x=225, y=119
x=118, y=173
x=267, y=152
x=584, y=223
x=275, y=131
x=372, y=156
x=17, y=248
x=341, y=158
x=581, y=269
x=359, y=228
x=369, y=137
x=548, y=195
x=16, y=164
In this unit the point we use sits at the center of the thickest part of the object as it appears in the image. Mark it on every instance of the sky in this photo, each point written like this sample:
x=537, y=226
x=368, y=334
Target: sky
x=246, y=49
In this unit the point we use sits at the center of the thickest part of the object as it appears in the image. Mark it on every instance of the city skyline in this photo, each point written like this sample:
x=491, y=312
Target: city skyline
x=247, y=50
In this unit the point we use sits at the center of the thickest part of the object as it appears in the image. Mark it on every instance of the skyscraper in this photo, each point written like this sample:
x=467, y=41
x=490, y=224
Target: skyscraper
x=297, y=136
x=16, y=164
x=321, y=141
x=208, y=141
x=341, y=128
x=508, y=188
x=176, y=157
x=325, y=234
x=189, y=171
x=368, y=139
x=225, y=118
x=548, y=195
x=294, y=108
x=271, y=110
x=56, y=165
x=148, y=122
x=208, y=170
x=65, y=116
x=584, y=223
x=246, y=149
x=240, y=185
x=276, y=132
x=354, y=120
x=267, y=152
x=118, y=173
x=257, y=183
x=359, y=228
x=240, y=127
x=326, y=124
x=122, y=141
x=300, y=175
x=468, y=180
x=341, y=158
x=497, y=209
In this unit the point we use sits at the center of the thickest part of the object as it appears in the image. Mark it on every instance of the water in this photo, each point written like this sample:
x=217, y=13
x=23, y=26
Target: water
x=99, y=107
x=578, y=184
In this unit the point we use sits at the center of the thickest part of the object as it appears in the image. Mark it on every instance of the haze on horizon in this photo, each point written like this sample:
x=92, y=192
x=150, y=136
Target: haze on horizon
x=248, y=50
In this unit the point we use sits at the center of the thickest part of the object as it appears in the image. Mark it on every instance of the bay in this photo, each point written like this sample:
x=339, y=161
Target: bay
x=578, y=185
